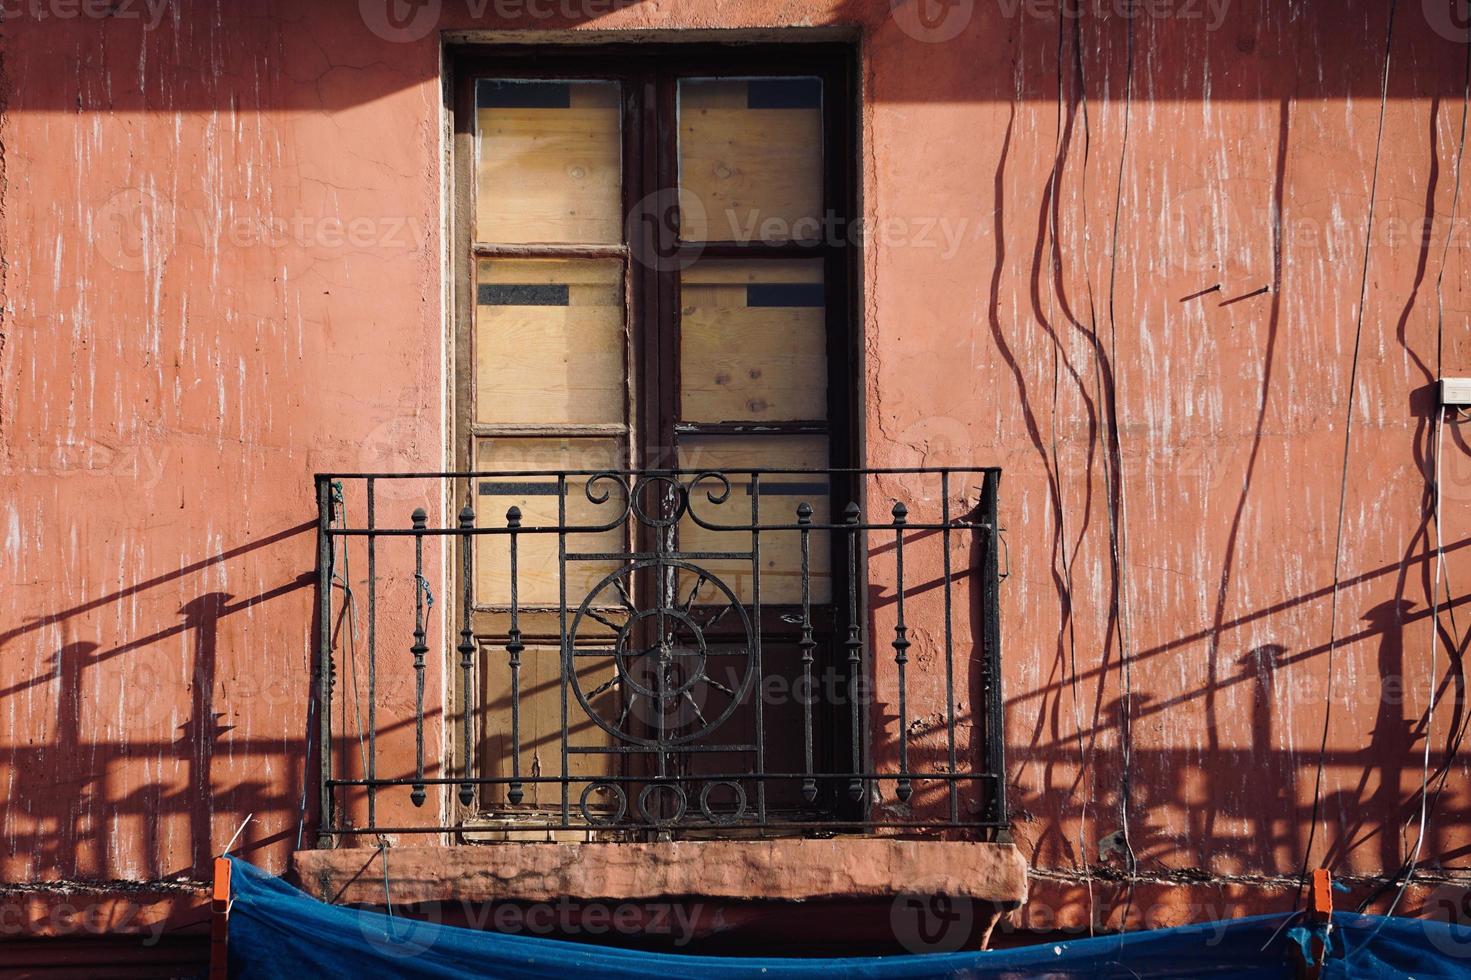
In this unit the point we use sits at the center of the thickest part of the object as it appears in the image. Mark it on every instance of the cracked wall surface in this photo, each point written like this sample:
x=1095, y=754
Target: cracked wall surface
x=1141, y=263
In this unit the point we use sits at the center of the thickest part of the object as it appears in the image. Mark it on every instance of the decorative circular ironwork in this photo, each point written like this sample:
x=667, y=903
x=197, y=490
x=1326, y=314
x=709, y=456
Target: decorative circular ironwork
x=677, y=621
x=604, y=820
x=740, y=801
x=661, y=659
x=681, y=804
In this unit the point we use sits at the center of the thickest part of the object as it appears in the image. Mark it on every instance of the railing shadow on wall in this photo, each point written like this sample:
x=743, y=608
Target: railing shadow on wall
x=64, y=834
x=149, y=803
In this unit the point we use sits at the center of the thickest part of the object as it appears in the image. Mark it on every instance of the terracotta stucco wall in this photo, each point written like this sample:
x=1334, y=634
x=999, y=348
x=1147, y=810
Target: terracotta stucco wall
x=1123, y=258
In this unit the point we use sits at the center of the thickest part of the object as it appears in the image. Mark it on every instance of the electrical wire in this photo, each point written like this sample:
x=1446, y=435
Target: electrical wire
x=1120, y=519
x=1454, y=742
x=350, y=613
x=1407, y=870
x=1307, y=853
x=1434, y=643
x=1085, y=766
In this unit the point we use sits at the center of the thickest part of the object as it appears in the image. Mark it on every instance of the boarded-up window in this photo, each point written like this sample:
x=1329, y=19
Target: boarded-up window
x=657, y=279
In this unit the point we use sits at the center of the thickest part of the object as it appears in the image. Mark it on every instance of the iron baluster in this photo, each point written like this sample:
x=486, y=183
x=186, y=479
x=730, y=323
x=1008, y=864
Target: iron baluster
x=901, y=648
x=566, y=654
x=807, y=645
x=756, y=642
x=418, y=650
x=991, y=654
x=514, y=646
x=949, y=644
x=467, y=647
x=325, y=798
x=854, y=644
x=372, y=658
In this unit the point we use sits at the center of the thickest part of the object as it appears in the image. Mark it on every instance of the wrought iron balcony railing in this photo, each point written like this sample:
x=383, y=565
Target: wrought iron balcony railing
x=620, y=654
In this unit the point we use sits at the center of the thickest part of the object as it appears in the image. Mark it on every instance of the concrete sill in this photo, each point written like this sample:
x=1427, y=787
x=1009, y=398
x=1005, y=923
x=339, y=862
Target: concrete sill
x=770, y=874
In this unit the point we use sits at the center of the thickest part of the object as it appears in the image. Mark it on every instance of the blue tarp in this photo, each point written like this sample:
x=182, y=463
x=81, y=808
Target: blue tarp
x=278, y=931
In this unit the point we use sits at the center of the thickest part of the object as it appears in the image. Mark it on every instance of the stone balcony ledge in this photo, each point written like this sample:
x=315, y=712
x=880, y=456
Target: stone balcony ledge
x=752, y=877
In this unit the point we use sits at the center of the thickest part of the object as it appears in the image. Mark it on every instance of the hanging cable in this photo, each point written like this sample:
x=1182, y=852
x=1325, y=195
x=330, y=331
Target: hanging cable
x=1348, y=427
x=350, y=613
x=1118, y=511
x=1434, y=643
x=387, y=892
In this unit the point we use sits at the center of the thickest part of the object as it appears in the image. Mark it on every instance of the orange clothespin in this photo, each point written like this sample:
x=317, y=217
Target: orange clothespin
x=219, y=910
x=1323, y=894
x=1320, y=914
x=219, y=921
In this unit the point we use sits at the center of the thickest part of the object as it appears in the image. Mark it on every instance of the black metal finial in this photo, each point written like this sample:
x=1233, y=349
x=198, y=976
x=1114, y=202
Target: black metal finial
x=900, y=512
x=467, y=516
x=513, y=517
x=420, y=518
x=804, y=513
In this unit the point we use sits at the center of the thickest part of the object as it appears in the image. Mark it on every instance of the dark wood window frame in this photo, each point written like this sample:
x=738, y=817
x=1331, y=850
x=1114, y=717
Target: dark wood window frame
x=648, y=75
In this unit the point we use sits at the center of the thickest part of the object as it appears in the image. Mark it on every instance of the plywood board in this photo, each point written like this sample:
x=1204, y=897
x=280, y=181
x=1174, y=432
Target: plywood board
x=753, y=341
x=550, y=173
x=742, y=165
x=550, y=343
x=538, y=569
